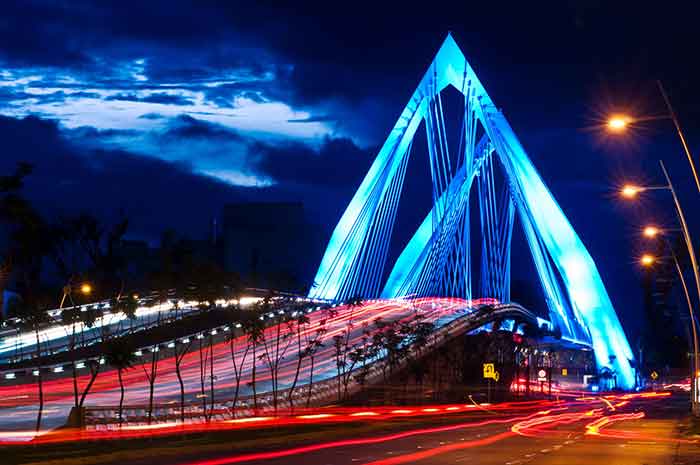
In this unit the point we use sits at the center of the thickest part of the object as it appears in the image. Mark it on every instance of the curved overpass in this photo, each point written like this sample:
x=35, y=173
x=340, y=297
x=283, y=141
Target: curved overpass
x=452, y=317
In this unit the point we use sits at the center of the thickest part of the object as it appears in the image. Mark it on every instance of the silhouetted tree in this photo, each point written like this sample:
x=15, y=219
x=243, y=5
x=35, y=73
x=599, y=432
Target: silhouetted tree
x=151, y=374
x=180, y=351
x=119, y=354
x=301, y=321
x=312, y=348
x=254, y=329
x=32, y=316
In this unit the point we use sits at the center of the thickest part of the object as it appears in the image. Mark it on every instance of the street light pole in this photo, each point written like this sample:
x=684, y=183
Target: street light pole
x=693, y=260
x=693, y=385
x=672, y=114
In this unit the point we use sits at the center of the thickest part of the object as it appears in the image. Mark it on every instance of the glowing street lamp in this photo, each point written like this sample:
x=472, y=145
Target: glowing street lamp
x=651, y=231
x=618, y=123
x=647, y=260
x=86, y=289
x=630, y=191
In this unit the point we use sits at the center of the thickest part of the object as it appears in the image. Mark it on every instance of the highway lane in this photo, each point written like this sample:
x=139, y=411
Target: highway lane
x=18, y=401
x=56, y=336
x=587, y=433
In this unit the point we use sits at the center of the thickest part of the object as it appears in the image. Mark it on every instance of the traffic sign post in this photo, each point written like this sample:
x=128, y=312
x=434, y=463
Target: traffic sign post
x=490, y=373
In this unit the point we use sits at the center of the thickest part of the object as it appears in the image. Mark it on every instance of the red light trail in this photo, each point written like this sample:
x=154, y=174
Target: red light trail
x=105, y=390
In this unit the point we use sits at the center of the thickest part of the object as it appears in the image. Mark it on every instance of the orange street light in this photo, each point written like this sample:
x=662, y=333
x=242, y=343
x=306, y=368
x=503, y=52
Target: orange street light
x=647, y=260
x=86, y=289
x=651, y=231
x=618, y=123
x=630, y=191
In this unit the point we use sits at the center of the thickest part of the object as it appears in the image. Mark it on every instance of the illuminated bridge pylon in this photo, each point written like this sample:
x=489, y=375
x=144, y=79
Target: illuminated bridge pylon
x=437, y=259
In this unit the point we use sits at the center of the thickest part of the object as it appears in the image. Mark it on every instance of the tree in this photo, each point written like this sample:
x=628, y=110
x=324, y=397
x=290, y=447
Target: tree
x=302, y=322
x=72, y=316
x=254, y=330
x=312, y=348
x=151, y=374
x=32, y=316
x=203, y=361
x=28, y=246
x=275, y=349
x=180, y=351
x=119, y=354
x=125, y=304
x=88, y=318
x=237, y=359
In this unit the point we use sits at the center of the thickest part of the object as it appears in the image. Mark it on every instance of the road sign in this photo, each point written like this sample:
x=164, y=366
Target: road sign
x=654, y=375
x=490, y=372
x=542, y=375
x=564, y=372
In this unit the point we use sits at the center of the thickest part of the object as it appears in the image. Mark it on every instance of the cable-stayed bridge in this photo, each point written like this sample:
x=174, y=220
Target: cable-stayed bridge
x=437, y=261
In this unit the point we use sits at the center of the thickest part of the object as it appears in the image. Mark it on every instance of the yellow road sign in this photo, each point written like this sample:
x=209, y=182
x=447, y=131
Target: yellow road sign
x=490, y=372
x=564, y=372
x=654, y=375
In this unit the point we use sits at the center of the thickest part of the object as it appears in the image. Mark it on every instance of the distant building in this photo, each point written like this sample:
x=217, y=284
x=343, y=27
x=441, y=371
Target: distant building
x=267, y=239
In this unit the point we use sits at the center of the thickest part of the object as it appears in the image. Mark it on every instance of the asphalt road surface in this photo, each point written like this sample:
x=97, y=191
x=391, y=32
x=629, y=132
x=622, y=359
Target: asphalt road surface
x=638, y=431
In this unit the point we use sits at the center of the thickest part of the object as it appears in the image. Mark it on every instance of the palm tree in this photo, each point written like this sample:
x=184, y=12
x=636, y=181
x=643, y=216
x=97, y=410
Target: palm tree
x=254, y=330
x=119, y=354
x=275, y=349
x=89, y=317
x=151, y=374
x=72, y=316
x=301, y=322
x=180, y=351
x=29, y=245
x=312, y=349
x=238, y=360
x=32, y=317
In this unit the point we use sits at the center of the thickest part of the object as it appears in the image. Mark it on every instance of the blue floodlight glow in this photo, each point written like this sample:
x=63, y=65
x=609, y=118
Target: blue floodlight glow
x=579, y=305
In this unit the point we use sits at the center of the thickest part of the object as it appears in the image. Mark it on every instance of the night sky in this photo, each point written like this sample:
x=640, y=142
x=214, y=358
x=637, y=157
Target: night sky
x=164, y=111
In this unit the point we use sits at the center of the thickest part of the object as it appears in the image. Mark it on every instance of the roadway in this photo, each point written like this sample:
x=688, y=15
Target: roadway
x=18, y=400
x=56, y=336
x=639, y=431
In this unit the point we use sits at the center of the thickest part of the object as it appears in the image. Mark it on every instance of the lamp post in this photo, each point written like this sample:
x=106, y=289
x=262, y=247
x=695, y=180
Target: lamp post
x=85, y=289
x=619, y=123
x=647, y=260
x=672, y=115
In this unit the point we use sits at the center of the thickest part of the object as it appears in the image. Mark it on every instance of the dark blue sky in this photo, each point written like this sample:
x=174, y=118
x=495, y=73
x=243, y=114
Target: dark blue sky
x=167, y=110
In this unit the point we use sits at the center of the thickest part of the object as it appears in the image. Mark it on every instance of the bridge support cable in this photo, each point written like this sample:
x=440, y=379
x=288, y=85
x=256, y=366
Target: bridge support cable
x=437, y=259
x=357, y=268
x=497, y=230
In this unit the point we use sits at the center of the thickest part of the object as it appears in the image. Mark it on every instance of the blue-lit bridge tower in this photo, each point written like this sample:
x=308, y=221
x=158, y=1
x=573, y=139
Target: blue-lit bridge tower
x=436, y=260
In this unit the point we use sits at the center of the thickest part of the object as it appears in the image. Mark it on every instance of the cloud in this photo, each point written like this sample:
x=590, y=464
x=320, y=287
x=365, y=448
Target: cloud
x=163, y=98
x=187, y=127
x=209, y=58
x=238, y=158
x=151, y=116
x=153, y=193
x=157, y=194
x=336, y=162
